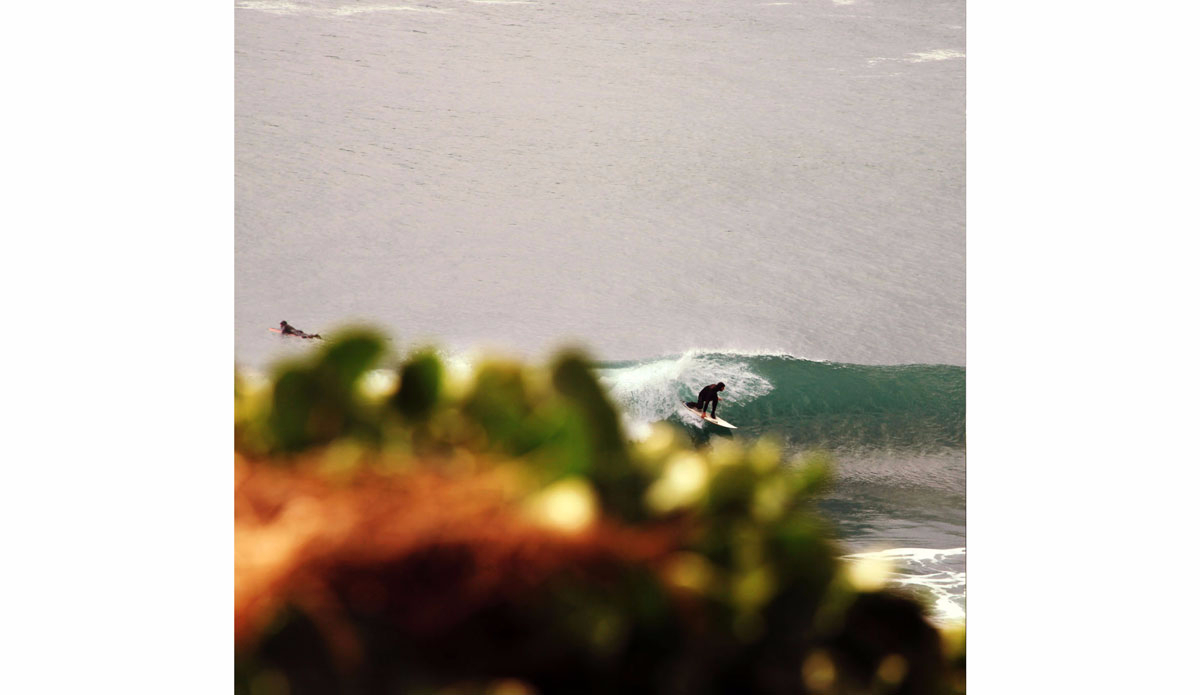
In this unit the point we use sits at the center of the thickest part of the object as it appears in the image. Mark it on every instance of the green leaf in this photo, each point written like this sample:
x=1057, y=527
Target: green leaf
x=420, y=387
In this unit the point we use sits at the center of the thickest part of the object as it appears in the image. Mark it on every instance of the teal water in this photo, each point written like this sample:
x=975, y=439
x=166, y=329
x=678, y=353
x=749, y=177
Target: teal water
x=811, y=404
x=897, y=434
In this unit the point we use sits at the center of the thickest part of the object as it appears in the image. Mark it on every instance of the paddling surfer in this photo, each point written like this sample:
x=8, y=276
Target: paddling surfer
x=287, y=329
x=708, y=394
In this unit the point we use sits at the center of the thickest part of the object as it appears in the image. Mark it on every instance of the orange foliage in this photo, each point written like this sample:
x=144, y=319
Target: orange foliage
x=425, y=550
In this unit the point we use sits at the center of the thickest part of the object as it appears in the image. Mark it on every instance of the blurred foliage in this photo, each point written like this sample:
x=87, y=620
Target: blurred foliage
x=403, y=529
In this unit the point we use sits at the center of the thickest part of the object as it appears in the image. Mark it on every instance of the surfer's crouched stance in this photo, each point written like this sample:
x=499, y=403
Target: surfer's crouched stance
x=289, y=330
x=708, y=394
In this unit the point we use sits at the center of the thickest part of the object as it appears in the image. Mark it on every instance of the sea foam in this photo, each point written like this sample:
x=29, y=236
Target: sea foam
x=929, y=571
x=653, y=391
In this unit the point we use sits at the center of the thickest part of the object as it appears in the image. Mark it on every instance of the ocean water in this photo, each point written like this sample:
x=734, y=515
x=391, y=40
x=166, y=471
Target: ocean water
x=897, y=432
x=769, y=194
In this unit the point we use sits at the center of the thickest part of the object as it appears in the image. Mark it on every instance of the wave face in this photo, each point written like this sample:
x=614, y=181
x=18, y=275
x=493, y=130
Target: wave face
x=807, y=403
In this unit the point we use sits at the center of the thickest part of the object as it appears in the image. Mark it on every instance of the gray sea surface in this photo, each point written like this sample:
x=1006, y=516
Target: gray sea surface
x=643, y=177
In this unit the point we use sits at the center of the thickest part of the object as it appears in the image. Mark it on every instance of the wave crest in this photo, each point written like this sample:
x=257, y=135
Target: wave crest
x=804, y=401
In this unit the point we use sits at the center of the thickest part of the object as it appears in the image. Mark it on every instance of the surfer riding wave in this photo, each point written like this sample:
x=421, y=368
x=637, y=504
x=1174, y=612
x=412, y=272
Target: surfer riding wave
x=708, y=395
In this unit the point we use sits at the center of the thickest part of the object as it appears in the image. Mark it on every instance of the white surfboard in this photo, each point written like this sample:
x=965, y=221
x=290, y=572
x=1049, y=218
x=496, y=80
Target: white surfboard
x=711, y=419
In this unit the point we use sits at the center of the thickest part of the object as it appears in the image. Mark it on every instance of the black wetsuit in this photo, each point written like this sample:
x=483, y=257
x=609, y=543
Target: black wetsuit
x=708, y=394
x=288, y=329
